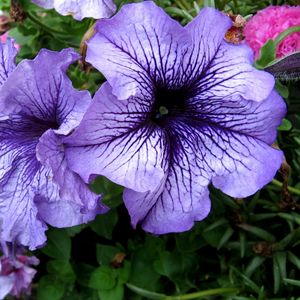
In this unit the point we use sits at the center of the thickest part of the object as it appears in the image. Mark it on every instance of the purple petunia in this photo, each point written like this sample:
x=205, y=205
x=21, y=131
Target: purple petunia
x=36, y=185
x=80, y=9
x=182, y=108
x=8, y=54
x=16, y=275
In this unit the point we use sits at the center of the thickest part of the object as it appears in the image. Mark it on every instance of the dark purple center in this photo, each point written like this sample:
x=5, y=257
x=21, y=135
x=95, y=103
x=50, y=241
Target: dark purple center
x=168, y=105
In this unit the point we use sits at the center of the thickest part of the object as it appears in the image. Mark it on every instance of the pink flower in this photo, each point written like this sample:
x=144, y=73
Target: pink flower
x=4, y=37
x=16, y=275
x=268, y=24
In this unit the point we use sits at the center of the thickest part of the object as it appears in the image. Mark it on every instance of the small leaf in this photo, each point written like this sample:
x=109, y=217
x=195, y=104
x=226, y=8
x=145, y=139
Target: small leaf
x=58, y=244
x=62, y=269
x=50, y=289
x=117, y=293
x=292, y=281
x=253, y=265
x=104, y=224
x=103, y=278
x=276, y=276
x=225, y=238
x=267, y=54
x=293, y=259
x=261, y=233
x=286, y=125
x=105, y=253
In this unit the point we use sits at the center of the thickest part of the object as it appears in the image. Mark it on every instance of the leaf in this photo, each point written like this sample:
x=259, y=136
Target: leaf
x=104, y=225
x=253, y=265
x=261, y=233
x=58, y=244
x=103, y=278
x=267, y=54
x=293, y=259
x=292, y=281
x=105, y=253
x=286, y=125
x=117, y=293
x=50, y=289
x=225, y=238
x=61, y=269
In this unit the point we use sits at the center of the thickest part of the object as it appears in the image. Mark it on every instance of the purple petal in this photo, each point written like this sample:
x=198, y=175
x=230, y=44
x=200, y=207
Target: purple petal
x=40, y=88
x=6, y=285
x=8, y=54
x=180, y=200
x=47, y=4
x=115, y=144
x=139, y=46
x=80, y=9
x=221, y=68
x=63, y=199
x=18, y=213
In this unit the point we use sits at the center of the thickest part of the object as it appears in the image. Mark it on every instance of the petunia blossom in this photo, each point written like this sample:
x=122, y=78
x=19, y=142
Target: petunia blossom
x=16, y=275
x=268, y=24
x=8, y=54
x=36, y=185
x=80, y=9
x=181, y=109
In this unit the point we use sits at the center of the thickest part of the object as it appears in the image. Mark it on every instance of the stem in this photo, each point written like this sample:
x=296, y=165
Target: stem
x=45, y=27
x=52, y=32
x=284, y=34
x=291, y=189
x=220, y=291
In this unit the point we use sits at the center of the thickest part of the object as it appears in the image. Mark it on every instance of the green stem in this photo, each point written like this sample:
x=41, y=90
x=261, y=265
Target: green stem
x=45, y=27
x=284, y=34
x=51, y=31
x=291, y=189
x=213, y=292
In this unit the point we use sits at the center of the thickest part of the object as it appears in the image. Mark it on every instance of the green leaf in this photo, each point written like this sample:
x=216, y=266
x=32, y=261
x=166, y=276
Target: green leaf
x=103, y=278
x=293, y=259
x=286, y=125
x=104, y=224
x=253, y=265
x=117, y=293
x=261, y=233
x=276, y=275
x=292, y=281
x=105, y=253
x=50, y=289
x=58, y=244
x=267, y=54
x=62, y=269
x=225, y=238
x=124, y=272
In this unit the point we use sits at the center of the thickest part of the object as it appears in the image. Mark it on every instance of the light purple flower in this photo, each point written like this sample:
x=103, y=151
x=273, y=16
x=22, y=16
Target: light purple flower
x=36, y=184
x=182, y=108
x=8, y=54
x=80, y=9
x=16, y=275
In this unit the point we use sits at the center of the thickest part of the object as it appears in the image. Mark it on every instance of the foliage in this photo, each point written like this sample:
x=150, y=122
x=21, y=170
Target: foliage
x=246, y=249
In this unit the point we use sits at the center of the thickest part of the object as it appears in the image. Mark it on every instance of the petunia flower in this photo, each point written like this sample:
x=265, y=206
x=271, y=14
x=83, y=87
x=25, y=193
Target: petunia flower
x=181, y=109
x=16, y=275
x=268, y=24
x=8, y=54
x=80, y=9
x=36, y=185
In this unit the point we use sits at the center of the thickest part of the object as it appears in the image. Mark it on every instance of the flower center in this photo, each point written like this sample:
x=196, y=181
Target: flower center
x=169, y=104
